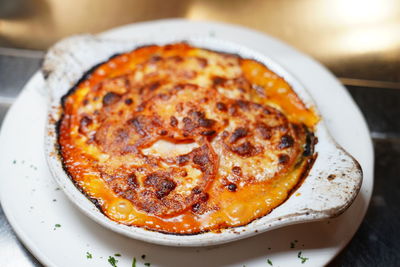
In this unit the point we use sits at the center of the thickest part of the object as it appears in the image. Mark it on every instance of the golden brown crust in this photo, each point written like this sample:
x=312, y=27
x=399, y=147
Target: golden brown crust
x=178, y=139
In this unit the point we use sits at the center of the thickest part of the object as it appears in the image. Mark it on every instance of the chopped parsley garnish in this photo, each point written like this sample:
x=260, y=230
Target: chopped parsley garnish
x=147, y=263
x=89, y=255
x=143, y=256
x=269, y=262
x=112, y=261
x=303, y=259
x=134, y=262
x=33, y=167
x=117, y=255
x=57, y=225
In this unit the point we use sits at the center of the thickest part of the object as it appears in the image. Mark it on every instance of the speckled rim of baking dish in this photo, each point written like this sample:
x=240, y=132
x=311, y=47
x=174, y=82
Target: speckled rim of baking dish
x=329, y=189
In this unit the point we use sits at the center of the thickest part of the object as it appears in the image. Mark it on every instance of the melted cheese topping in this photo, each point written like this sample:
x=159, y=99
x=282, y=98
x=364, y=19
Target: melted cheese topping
x=183, y=140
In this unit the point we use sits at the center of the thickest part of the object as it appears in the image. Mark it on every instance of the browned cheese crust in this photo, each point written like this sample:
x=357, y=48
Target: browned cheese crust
x=182, y=140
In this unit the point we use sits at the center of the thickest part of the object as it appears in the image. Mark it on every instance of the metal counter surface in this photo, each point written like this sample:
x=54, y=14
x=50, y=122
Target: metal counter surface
x=345, y=35
x=375, y=243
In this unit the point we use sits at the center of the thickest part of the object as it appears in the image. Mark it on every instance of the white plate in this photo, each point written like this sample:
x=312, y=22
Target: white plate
x=27, y=189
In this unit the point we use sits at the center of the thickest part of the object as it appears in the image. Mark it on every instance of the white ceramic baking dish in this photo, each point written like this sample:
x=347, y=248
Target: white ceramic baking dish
x=329, y=189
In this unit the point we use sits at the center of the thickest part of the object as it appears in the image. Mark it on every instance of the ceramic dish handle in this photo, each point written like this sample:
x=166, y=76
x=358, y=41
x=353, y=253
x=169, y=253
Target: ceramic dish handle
x=331, y=186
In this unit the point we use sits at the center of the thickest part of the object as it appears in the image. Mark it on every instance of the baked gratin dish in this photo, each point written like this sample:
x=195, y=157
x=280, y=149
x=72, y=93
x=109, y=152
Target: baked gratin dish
x=177, y=139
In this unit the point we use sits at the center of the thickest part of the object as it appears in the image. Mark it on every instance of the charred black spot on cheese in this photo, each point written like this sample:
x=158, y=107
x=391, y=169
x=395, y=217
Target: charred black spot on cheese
x=84, y=123
x=265, y=131
x=177, y=59
x=310, y=143
x=203, y=62
x=204, y=197
x=154, y=86
x=221, y=106
x=138, y=124
x=201, y=119
x=207, y=123
x=238, y=133
x=182, y=159
x=208, y=133
x=128, y=101
x=173, y=121
x=232, y=187
x=110, y=98
x=165, y=188
x=237, y=170
x=266, y=111
x=155, y=58
x=132, y=181
x=201, y=159
x=196, y=190
x=217, y=80
x=297, y=129
x=163, y=132
x=161, y=182
x=283, y=158
x=242, y=83
x=188, y=124
x=196, y=207
x=286, y=142
x=242, y=104
x=246, y=149
x=156, y=121
x=196, y=114
x=164, y=96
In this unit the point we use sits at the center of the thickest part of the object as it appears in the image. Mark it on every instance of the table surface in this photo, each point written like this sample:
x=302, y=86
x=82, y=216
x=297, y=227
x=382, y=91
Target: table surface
x=345, y=35
x=376, y=241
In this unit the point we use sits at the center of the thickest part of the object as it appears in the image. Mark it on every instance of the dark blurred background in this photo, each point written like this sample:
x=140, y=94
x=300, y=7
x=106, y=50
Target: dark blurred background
x=358, y=40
